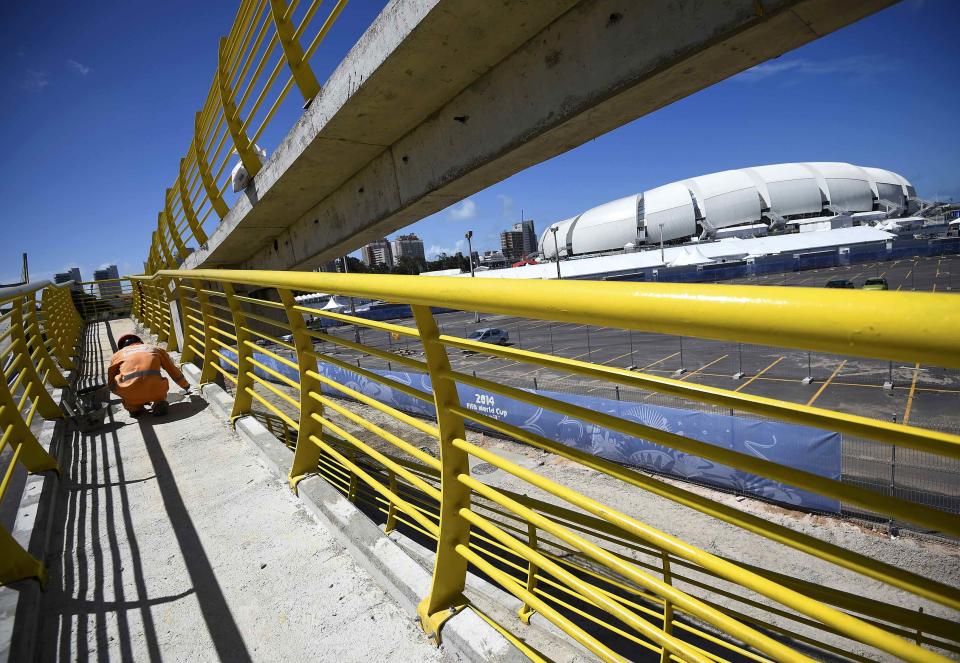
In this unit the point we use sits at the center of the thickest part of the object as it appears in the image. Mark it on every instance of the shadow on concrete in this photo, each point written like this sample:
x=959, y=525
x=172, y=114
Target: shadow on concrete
x=95, y=549
x=223, y=630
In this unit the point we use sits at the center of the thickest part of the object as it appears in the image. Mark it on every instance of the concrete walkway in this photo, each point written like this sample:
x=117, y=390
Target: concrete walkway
x=175, y=543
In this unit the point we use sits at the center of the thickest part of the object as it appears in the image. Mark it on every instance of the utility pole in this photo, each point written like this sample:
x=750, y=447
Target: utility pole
x=662, y=259
x=556, y=249
x=25, y=272
x=469, y=236
x=353, y=307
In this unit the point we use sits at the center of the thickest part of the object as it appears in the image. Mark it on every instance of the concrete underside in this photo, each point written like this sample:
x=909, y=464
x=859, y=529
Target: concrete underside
x=175, y=542
x=442, y=98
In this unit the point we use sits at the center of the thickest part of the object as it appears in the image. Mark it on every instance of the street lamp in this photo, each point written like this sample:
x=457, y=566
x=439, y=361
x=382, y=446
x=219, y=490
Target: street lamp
x=469, y=236
x=353, y=307
x=661, y=245
x=556, y=249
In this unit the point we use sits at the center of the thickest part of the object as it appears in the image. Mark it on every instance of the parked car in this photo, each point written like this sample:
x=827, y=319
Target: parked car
x=840, y=283
x=490, y=335
x=876, y=283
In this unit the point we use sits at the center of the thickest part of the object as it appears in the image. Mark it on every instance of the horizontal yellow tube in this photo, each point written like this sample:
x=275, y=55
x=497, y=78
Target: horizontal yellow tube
x=917, y=327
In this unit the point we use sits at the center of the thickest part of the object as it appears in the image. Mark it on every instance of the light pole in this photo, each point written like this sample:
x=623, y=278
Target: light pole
x=556, y=249
x=661, y=245
x=469, y=236
x=353, y=307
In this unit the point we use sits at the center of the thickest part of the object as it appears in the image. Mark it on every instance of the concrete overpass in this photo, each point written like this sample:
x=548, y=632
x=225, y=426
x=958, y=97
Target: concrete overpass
x=442, y=98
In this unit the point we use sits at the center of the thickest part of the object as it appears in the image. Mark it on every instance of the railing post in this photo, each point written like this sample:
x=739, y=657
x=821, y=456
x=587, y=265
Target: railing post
x=242, y=400
x=169, y=288
x=24, y=363
x=391, y=523
x=293, y=52
x=526, y=611
x=306, y=457
x=166, y=218
x=667, y=606
x=207, y=372
x=206, y=176
x=199, y=236
x=249, y=157
x=46, y=366
x=450, y=568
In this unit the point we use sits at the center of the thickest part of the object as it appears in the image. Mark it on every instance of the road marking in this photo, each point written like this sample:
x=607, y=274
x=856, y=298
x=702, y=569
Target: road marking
x=659, y=360
x=604, y=363
x=913, y=389
x=688, y=375
x=775, y=362
x=487, y=361
x=825, y=384
x=691, y=374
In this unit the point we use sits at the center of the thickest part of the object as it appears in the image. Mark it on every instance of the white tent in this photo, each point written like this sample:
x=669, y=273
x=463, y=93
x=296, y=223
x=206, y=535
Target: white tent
x=690, y=255
x=333, y=305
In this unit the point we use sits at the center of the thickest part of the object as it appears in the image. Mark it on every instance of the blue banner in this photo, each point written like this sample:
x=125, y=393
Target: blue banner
x=801, y=447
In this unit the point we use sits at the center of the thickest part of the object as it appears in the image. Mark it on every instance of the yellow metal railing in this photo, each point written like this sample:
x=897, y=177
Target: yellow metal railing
x=39, y=335
x=259, y=62
x=603, y=576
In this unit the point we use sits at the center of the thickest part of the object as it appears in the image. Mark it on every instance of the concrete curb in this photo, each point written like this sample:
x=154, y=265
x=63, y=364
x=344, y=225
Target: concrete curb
x=20, y=602
x=466, y=635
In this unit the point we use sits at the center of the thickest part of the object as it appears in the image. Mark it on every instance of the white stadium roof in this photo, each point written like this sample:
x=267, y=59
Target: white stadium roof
x=705, y=204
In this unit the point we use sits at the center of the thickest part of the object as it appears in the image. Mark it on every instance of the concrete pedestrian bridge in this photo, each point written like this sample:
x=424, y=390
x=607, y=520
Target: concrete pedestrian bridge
x=345, y=487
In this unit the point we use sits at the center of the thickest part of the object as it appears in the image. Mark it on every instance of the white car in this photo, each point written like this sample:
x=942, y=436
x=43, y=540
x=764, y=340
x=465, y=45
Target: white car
x=490, y=335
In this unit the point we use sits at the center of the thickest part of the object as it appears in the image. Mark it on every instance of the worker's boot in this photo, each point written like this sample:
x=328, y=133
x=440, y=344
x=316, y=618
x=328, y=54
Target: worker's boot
x=160, y=408
x=139, y=412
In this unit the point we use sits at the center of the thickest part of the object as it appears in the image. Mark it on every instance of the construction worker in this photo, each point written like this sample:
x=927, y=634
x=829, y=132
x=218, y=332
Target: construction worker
x=135, y=376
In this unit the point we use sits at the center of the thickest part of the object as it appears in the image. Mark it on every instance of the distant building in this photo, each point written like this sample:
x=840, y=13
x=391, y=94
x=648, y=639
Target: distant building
x=111, y=289
x=408, y=246
x=519, y=242
x=493, y=260
x=66, y=277
x=378, y=252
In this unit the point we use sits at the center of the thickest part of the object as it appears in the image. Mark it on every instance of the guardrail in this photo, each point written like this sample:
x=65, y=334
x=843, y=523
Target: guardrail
x=245, y=95
x=38, y=341
x=607, y=579
x=107, y=299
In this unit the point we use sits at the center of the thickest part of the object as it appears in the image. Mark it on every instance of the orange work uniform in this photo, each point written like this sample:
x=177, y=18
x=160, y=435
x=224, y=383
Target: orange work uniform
x=134, y=375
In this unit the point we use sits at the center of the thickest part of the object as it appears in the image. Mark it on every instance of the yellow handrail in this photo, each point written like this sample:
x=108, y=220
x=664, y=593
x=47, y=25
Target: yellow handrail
x=222, y=126
x=38, y=342
x=590, y=563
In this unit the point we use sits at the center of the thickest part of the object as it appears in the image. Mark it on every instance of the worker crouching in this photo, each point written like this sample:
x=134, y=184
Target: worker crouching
x=135, y=375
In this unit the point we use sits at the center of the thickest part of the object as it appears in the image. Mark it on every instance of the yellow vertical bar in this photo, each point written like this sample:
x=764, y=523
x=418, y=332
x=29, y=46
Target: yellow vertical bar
x=293, y=52
x=450, y=568
x=46, y=366
x=172, y=227
x=306, y=456
x=667, y=606
x=207, y=372
x=18, y=339
x=230, y=113
x=206, y=176
x=195, y=227
x=526, y=611
x=242, y=400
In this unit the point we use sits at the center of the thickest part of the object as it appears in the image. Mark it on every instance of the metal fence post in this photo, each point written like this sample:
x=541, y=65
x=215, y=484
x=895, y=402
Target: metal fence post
x=667, y=606
x=207, y=372
x=450, y=568
x=589, y=349
x=293, y=52
x=526, y=611
x=245, y=149
x=306, y=456
x=242, y=399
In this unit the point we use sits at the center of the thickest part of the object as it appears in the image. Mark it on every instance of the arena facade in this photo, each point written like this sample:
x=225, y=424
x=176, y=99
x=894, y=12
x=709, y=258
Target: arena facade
x=771, y=195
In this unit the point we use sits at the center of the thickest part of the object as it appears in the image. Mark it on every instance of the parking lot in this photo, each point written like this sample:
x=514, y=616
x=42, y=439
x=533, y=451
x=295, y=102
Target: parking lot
x=921, y=395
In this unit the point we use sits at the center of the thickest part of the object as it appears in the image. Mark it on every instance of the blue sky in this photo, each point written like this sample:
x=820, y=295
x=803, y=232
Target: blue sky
x=98, y=101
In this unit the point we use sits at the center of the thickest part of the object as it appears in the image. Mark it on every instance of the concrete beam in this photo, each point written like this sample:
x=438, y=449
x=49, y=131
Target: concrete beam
x=440, y=100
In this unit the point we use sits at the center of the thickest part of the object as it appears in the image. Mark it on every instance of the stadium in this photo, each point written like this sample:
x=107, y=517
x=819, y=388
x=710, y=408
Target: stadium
x=755, y=199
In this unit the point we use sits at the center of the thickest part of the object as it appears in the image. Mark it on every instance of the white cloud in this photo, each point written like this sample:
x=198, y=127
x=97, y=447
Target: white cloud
x=857, y=65
x=506, y=206
x=35, y=80
x=435, y=249
x=77, y=67
x=465, y=210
